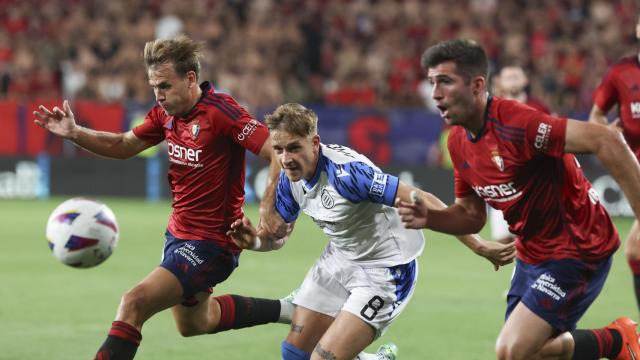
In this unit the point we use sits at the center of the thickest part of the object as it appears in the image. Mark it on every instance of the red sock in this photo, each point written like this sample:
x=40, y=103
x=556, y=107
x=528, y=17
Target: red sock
x=121, y=344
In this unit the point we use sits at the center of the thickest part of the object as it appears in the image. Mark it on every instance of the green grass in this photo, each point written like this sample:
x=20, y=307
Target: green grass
x=52, y=311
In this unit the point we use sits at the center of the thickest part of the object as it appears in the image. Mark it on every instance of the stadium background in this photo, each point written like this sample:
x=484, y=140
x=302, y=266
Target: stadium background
x=356, y=63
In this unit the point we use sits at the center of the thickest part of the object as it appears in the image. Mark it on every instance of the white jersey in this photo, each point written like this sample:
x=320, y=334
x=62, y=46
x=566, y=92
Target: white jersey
x=351, y=200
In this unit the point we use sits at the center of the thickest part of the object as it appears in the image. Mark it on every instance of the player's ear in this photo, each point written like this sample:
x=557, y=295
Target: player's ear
x=192, y=78
x=478, y=85
x=315, y=140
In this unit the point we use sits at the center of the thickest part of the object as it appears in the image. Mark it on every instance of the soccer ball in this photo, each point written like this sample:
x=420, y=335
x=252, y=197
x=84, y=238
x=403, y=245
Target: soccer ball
x=82, y=232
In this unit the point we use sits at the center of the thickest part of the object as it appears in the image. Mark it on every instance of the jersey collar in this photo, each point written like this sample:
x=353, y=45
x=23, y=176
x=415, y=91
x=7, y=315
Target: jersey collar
x=484, y=123
x=316, y=176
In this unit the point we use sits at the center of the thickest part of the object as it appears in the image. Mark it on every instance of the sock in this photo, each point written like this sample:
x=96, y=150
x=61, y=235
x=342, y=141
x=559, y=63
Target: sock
x=237, y=312
x=286, y=311
x=635, y=270
x=596, y=344
x=290, y=352
x=121, y=344
x=367, y=356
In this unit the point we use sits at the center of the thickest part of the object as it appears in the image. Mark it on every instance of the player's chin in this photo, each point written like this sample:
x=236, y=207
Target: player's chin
x=293, y=175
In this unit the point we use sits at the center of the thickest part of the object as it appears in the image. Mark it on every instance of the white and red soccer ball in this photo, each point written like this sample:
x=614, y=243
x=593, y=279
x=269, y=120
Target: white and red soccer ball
x=82, y=232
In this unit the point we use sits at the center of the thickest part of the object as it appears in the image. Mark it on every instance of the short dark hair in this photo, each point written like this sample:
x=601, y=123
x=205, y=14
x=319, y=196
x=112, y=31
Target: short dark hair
x=180, y=51
x=469, y=57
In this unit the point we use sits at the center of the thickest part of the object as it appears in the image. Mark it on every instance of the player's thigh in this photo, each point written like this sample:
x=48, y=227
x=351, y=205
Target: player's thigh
x=523, y=334
x=307, y=327
x=345, y=338
x=632, y=244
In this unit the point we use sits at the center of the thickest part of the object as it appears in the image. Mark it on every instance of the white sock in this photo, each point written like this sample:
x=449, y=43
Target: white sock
x=367, y=356
x=286, y=312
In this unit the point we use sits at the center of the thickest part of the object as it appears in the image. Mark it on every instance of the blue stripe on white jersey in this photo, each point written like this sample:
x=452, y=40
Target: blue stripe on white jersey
x=404, y=275
x=286, y=205
x=357, y=181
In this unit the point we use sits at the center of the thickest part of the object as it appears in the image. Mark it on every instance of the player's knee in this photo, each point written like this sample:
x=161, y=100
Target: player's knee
x=133, y=306
x=509, y=350
x=290, y=352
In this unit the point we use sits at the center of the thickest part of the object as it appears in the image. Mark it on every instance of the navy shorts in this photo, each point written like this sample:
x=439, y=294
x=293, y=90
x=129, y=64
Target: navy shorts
x=559, y=291
x=198, y=264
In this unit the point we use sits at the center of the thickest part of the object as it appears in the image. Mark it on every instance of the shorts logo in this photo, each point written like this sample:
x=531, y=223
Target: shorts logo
x=326, y=199
x=195, y=130
x=547, y=284
x=378, y=185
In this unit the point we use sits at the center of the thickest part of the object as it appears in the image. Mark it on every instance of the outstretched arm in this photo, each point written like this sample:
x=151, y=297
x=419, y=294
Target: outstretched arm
x=609, y=146
x=272, y=226
x=418, y=206
x=113, y=145
x=246, y=236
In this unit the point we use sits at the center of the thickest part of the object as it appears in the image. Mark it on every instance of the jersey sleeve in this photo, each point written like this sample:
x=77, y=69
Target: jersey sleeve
x=358, y=181
x=543, y=134
x=286, y=204
x=236, y=123
x=606, y=94
x=151, y=130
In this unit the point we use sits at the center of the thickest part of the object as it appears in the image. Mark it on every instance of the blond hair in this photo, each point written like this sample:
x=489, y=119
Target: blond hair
x=294, y=119
x=181, y=51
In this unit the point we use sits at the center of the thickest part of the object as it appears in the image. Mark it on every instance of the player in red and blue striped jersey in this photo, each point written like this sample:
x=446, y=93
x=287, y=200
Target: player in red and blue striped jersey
x=520, y=160
x=621, y=87
x=207, y=134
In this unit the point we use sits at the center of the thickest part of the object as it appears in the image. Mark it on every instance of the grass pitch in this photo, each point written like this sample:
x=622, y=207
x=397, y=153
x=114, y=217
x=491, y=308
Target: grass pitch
x=48, y=310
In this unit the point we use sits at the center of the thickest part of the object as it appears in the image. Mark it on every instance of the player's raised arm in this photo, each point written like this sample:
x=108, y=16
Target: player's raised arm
x=113, y=145
x=415, y=205
x=611, y=149
x=272, y=226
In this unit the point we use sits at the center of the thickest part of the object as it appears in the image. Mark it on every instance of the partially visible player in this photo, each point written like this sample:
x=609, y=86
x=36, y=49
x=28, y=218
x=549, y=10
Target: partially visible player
x=621, y=87
x=511, y=82
x=207, y=134
x=367, y=273
x=521, y=161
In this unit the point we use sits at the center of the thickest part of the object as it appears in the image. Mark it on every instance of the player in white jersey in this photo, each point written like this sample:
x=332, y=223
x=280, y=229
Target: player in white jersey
x=367, y=273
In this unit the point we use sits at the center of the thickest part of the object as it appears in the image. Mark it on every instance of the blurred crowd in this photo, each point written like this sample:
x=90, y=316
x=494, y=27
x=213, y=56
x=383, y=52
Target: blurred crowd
x=336, y=52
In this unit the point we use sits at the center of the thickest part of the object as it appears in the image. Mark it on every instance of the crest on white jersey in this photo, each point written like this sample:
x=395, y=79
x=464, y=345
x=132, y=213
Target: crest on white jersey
x=498, y=160
x=195, y=130
x=327, y=199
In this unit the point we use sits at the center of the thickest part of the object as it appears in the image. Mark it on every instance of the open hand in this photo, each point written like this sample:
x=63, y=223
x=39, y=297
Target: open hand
x=58, y=121
x=243, y=233
x=499, y=254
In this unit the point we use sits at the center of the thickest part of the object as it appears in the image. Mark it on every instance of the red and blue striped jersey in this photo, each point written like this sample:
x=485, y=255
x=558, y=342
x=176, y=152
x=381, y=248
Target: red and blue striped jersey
x=206, y=150
x=517, y=164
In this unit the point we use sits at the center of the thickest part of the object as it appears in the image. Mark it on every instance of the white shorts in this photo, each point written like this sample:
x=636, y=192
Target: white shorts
x=377, y=295
x=499, y=226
